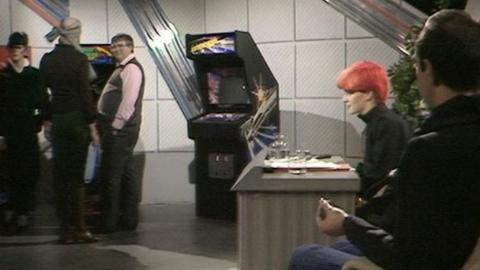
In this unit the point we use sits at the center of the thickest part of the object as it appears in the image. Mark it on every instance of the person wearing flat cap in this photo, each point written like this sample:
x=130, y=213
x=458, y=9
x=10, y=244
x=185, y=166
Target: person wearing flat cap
x=66, y=72
x=23, y=100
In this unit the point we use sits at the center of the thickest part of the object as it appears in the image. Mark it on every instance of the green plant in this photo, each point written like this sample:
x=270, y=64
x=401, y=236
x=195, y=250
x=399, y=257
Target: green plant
x=407, y=100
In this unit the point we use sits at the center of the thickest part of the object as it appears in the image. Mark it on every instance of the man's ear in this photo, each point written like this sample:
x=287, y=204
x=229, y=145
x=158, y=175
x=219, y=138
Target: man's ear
x=428, y=70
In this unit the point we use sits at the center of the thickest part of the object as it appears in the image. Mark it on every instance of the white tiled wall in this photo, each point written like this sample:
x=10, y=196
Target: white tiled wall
x=312, y=17
x=5, y=26
x=318, y=63
x=225, y=15
x=305, y=42
x=281, y=60
x=271, y=20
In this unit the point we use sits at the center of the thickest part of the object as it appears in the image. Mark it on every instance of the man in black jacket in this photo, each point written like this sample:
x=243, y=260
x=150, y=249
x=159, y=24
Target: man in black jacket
x=438, y=186
x=23, y=102
x=66, y=72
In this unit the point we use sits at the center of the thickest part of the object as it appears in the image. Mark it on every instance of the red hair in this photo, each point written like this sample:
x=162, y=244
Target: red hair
x=365, y=76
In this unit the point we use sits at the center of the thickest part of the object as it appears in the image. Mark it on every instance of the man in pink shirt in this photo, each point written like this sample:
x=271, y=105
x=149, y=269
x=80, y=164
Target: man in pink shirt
x=120, y=108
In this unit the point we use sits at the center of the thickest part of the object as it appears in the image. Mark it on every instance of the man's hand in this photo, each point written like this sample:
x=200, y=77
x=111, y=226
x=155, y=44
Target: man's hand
x=329, y=218
x=94, y=134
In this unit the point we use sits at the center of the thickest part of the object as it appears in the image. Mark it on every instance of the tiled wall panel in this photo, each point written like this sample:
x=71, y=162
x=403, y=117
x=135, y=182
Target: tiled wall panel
x=271, y=20
x=320, y=126
x=148, y=139
x=317, y=66
x=93, y=14
x=4, y=21
x=281, y=60
x=143, y=56
x=311, y=17
x=118, y=22
x=172, y=128
x=225, y=15
x=188, y=16
x=371, y=49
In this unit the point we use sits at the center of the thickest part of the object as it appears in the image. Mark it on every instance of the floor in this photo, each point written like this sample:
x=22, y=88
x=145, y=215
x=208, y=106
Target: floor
x=169, y=237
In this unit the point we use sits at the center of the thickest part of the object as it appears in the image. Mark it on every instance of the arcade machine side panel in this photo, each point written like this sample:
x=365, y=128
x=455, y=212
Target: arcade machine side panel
x=264, y=124
x=218, y=164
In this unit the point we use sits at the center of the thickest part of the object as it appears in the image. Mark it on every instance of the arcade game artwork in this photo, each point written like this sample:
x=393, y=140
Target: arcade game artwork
x=103, y=63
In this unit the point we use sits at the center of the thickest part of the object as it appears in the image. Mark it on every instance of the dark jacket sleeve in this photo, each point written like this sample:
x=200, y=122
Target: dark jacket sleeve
x=375, y=243
x=84, y=91
x=47, y=105
x=390, y=138
x=413, y=232
x=41, y=102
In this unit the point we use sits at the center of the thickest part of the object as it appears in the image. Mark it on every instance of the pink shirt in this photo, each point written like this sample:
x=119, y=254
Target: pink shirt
x=132, y=81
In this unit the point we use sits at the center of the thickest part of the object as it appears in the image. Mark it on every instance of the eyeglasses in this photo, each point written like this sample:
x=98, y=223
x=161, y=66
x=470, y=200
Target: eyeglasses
x=119, y=45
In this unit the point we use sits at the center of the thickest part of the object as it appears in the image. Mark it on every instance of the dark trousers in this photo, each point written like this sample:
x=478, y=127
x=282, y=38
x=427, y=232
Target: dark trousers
x=23, y=162
x=70, y=143
x=320, y=257
x=118, y=178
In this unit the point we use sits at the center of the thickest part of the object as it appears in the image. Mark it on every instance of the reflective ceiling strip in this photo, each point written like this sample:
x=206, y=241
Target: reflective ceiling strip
x=52, y=11
x=385, y=19
x=168, y=52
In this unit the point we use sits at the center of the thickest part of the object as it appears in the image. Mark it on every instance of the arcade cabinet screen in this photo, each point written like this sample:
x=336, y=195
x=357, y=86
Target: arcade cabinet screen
x=103, y=63
x=216, y=44
x=226, y=87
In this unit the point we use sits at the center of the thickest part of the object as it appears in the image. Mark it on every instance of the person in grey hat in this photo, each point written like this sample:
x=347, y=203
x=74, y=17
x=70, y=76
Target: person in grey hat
x=72, y=124
x=23, y=102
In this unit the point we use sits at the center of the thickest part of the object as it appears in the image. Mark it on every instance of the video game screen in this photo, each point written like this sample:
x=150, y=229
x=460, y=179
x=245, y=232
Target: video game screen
x=214, y=44
x=103, y=63
x=227, y=86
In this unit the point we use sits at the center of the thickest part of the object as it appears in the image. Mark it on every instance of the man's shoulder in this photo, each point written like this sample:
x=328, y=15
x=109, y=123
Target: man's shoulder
x=133, y=66
x=134, y=63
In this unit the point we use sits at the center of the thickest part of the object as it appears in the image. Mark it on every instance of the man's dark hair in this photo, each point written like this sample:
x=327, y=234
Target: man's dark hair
x=450, y=40
x=18, y=38
x=123, y=37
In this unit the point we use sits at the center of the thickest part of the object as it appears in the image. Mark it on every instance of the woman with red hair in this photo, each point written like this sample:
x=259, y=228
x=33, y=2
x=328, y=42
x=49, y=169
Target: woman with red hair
x=366, y=91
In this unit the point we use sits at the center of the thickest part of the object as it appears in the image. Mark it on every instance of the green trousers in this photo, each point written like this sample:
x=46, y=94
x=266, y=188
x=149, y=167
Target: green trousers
x=70, y=143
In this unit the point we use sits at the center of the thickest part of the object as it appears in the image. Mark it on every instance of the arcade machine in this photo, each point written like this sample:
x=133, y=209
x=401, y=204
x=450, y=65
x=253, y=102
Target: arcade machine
x=241, y=115
x=103, y=63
